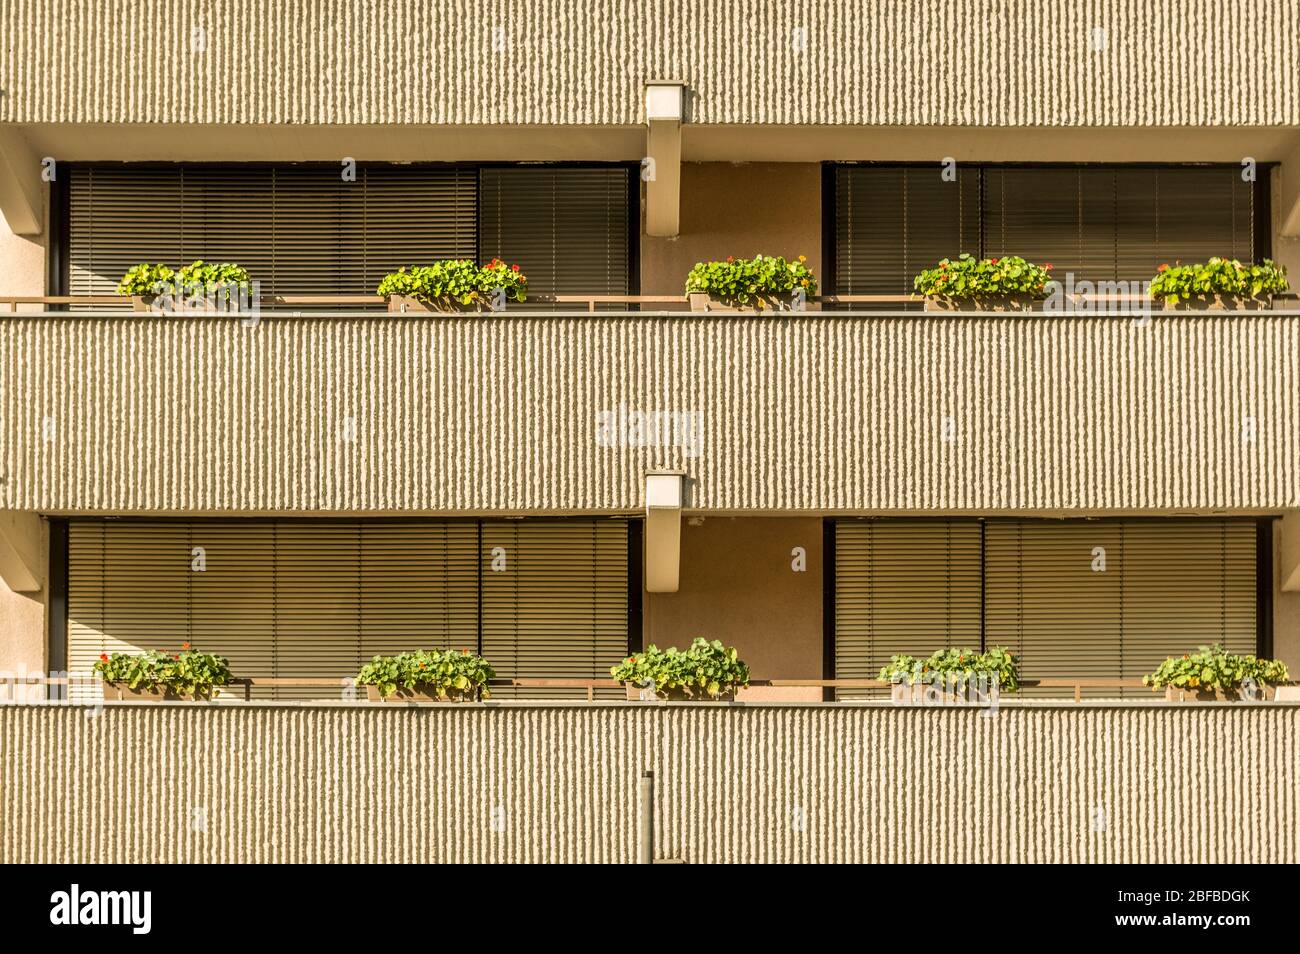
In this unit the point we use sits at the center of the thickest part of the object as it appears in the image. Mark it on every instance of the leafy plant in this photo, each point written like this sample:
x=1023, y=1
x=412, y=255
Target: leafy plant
x=1218, y=276
x=707, y=668
x=448, y=673
x=145, y=279
x=1212, y=667
x=970, y=278
x=744, y=281
x=456, y=280
x=186, y=673
x=956, y=667
x=197, y=278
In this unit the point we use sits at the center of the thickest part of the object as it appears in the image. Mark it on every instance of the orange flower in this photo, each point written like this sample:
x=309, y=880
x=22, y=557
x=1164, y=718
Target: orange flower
x=104, y=656
x=185, y=645
x=1163, y=268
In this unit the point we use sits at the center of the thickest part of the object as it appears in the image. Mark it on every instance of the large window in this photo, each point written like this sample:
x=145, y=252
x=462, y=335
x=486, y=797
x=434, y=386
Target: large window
x=1101, y=222
x=307, y=230
x=1092, y=599
x=314, y=599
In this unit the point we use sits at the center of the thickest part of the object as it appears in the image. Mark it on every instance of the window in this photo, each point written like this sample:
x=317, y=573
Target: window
x=316, y=599
x=303, y=230
x=1101, y=222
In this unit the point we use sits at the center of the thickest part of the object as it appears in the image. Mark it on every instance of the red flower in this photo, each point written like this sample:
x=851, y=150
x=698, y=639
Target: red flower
x=1163, y=268
x=993, y=261
x=632, y=660
x=514, y=268
x=104, y=656
x=1047, y=267
x=730, y=259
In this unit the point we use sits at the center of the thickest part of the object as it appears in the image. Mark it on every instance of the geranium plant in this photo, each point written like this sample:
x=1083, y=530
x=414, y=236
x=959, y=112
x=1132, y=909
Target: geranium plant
x=185, y=673
x=197, y=278
x=146, y=279
x=447, y=673
x=746, y=281
x=706, y=670
x=966, y=277
x=1213, y=667
x=1218, y=276
x=955, y=667
x=457, y=280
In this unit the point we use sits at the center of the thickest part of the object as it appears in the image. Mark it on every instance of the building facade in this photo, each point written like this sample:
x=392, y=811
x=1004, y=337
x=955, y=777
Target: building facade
x=560, y=483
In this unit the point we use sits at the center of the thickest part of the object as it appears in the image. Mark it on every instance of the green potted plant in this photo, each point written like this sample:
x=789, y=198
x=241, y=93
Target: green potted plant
x=1212, y=674
x=454, y=285
x=436, y=675
x=761, y=283
x=1221, y=284
x=1005, y=283
x=706, y=671
x=154, y=676
x=198, y=286
x=952, y=676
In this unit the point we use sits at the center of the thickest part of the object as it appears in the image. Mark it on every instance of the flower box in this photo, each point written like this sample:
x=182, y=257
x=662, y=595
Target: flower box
x=762, y=304
x=1264, y=693
x=442, y=306
x=419, y=694
x=937, y=694
x=121, y=692
x=634, y=694
x=1222, y=303
x=1006, y=303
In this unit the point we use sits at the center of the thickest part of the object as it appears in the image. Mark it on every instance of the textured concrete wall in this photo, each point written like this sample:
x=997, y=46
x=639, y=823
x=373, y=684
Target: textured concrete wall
x=1186, y=783
x=947, y=62
x=812, y=414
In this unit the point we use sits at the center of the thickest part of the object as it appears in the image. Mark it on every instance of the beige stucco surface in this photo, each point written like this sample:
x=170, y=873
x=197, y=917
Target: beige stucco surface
x=738, y=585
x=803, y=414
x=585, y=61
x=739, y=209
x=1165, y=783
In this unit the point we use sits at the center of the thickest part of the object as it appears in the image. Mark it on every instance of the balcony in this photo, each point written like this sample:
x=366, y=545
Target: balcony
x=839, y=412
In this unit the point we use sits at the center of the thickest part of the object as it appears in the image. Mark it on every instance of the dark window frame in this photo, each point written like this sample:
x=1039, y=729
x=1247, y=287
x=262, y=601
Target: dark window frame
x=1262, y=238
x=58, y=266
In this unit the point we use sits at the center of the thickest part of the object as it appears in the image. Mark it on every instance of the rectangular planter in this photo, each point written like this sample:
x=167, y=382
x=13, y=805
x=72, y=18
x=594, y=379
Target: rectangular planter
x=420, y=694
x=703, y=302
x=401, y=303
x=980, y=304
x=930, y=694
x=117, y=692
x=673, y=695
x=1175, y=694
x=1223, y=303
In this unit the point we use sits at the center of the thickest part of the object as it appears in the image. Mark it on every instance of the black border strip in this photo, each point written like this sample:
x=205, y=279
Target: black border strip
x=830, y=183
x=58, y=234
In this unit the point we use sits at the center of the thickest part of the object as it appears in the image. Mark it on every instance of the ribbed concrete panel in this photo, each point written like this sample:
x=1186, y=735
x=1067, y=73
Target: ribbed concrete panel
x=153, y=415
x=949, y=62
x=1170, y=784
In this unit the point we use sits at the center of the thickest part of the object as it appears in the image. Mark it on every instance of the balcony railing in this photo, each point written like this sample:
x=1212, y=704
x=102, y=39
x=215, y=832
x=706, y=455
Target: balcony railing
x=10, y=684
x=588, y=303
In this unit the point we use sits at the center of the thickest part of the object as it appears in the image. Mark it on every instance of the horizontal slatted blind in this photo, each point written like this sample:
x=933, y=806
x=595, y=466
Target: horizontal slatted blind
x=286, y=599
x=1168, y=587
x=1101, y=222
x=558, y=609
x=567, y=228
x=893, y=221
x=299, y=230
x=903, y=586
